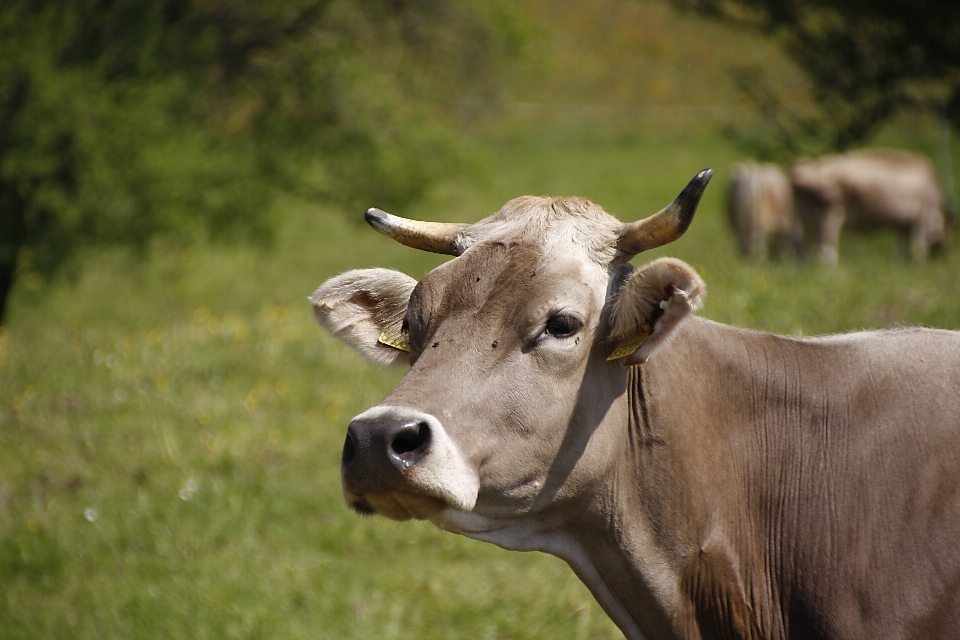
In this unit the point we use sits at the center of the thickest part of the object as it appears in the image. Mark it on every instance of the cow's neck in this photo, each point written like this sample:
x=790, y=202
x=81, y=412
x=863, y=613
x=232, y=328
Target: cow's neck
x=614, y=546
x=643, y=571
x=659, y=530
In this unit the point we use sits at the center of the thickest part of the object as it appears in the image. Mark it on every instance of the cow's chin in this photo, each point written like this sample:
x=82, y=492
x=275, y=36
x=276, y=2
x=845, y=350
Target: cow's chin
x=397, y=505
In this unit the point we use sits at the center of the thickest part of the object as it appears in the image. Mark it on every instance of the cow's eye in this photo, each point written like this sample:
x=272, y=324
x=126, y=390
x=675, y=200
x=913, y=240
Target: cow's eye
x=563, y=326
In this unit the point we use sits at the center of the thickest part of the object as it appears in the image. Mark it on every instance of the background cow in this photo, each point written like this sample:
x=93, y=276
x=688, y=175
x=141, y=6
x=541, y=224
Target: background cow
x=725, y=483
x=760, y=209
x=869, y=189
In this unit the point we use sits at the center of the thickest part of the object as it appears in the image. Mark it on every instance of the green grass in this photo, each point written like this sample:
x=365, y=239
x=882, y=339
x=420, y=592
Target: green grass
x=170, y=431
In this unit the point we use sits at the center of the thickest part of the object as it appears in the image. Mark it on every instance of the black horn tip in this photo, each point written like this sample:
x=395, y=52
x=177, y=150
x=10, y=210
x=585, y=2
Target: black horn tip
x=696, y=186
x=689, y=198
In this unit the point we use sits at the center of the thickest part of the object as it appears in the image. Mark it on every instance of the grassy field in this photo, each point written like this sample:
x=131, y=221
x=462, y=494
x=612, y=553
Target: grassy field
x=171, y=430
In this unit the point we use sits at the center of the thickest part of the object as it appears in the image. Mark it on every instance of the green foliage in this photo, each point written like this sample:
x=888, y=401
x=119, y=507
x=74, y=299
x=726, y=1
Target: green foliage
x=613, y=55
x=126, y=119
x=866, y=60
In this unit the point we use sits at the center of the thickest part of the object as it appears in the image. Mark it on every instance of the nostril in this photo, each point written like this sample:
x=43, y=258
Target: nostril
x=381, y=447
x=411, y=438
x=348, y=451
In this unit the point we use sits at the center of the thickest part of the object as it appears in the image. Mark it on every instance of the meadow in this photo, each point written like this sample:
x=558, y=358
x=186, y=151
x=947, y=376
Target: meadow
x=170, y=429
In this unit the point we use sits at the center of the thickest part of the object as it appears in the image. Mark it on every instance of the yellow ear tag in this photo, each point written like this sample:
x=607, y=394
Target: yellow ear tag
x=393, y=336
x=627, y=347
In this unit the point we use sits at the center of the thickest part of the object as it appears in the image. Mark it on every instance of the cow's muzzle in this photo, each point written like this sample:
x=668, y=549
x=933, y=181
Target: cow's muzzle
x=401, y=463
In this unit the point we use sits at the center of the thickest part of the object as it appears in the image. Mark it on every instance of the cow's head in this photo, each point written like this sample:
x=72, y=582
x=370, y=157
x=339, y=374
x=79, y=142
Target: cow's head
x=516, y=350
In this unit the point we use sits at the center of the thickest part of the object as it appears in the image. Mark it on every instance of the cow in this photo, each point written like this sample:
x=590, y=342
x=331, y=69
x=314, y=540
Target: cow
x=760, y=209
x=868, y=189
x=702, y=480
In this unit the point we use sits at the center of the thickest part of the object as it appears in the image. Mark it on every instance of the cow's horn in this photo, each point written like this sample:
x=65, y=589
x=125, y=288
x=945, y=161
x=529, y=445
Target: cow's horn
x=436, y=237
x=665, y=226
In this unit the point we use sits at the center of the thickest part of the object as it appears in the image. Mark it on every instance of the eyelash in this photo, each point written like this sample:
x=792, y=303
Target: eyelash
x=563, y=326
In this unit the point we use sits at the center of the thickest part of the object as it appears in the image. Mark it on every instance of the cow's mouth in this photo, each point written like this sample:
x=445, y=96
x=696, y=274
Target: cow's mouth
x=397, y=505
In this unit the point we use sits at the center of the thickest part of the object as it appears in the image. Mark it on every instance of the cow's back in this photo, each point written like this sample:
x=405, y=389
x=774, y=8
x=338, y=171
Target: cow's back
x=871, y=188
x=887, y=187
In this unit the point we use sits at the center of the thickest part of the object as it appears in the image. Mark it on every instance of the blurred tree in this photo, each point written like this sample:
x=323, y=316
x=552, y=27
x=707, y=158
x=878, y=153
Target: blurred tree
x=124, y=119
x=866, y=60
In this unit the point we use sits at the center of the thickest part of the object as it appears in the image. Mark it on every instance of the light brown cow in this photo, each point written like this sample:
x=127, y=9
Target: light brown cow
x=703, y=481
x=867, y=189
x=760, y=209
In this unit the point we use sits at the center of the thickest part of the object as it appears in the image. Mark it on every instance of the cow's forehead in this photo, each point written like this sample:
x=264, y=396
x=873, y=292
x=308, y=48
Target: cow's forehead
x=534, y=253
x=563, y=228
x=496, y=275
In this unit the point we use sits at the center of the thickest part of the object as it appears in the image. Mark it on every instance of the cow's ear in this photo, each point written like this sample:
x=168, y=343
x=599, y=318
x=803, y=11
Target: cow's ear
x=649, y=306
x=365, y=309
